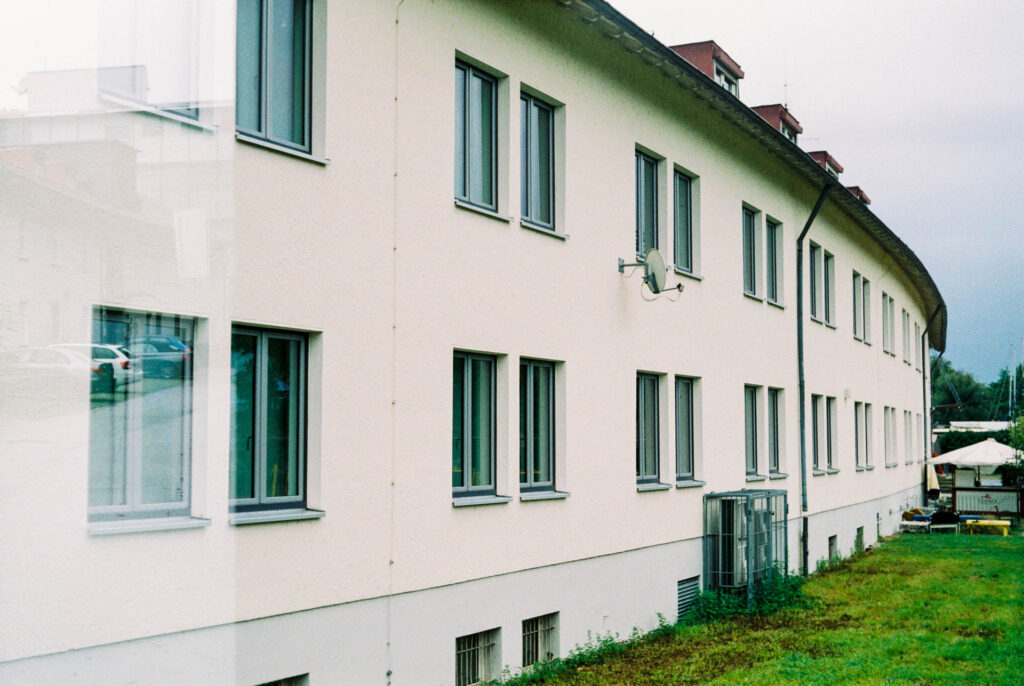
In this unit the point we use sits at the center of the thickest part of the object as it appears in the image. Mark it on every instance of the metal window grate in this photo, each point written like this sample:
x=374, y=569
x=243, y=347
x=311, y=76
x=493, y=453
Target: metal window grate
x=474, y=658
x=686, y=595
x=539, y=639
x=745, y=539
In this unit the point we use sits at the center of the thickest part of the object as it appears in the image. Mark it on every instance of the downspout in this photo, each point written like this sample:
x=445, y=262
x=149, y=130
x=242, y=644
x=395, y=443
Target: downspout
x=800, y=368
x=925, y=405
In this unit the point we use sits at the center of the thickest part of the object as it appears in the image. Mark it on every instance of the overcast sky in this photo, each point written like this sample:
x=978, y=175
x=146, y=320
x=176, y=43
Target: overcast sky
x=922, y=102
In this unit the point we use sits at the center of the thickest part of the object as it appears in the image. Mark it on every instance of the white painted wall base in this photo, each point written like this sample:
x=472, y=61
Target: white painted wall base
x=348, y=644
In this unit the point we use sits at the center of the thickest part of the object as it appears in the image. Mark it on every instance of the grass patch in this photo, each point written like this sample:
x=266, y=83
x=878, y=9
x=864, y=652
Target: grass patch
x=917, y=610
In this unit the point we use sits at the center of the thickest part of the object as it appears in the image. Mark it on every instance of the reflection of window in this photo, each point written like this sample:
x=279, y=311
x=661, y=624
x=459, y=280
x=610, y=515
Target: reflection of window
x=536, y=425
x=272, y=61
x=140, y=425
x=473, y=421
x=268, y=419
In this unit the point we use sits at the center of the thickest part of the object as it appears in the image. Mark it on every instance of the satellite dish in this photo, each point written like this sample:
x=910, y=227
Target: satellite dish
x=655, y=272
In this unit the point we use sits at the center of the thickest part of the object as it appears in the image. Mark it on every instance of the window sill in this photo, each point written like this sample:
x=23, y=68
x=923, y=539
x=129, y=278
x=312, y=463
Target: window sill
x=462, y=204
x=543, y=495
x=756, y=477
x=689, y=483
x=816, y=320
x=265, y=516
x=687, y=274
x=527, y=224
x=260, y=143
x=474, y=500
x=909, y=462
x=753, y=296
x=644, y=488
x=776, y=303
x=890, y=466
x=778, y=475
x=818, y=472
x=859, y=469
x=133, y=526
x=870, y=468
x=830, y=325
x=831, y=470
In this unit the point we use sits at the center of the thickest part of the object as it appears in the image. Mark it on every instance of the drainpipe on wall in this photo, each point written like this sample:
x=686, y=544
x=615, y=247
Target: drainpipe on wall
x=800, y=368
x=925, y=405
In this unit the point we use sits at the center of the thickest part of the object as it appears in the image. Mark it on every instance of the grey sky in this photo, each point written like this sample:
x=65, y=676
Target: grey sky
x=922, y=102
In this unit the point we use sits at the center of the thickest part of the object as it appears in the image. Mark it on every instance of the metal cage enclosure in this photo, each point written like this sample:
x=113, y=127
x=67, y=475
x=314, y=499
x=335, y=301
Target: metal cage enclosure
x=745, y=539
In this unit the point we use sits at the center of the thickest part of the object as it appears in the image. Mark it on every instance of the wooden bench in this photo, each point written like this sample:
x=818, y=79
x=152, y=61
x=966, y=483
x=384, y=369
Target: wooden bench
x=987, y=525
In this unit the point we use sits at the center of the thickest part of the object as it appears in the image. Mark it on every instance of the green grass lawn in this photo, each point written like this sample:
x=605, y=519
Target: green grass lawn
x=918, y=609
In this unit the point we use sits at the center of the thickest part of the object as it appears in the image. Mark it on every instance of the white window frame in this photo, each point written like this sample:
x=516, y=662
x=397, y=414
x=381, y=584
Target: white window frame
x=643, y=457
x=478, y=658
x=261, y=501
x=463, y=136
x=726, y=79
x=530, y=172
x=310, y=83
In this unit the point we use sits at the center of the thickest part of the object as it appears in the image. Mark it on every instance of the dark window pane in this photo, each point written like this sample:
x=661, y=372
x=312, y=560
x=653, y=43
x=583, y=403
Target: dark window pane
x=243, y=412
x=249, y=31
x=283, y=417
x=458, y=421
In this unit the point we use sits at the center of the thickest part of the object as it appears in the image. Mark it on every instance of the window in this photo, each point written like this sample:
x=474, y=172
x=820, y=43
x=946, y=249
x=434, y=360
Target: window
x=272, y=86
x=750, y=427
x=774, y=426
x=301, y=680
x=866, y=302
x=684, y=223
x=833, y=548
x=540, y=639
x=815, y=281
x=536, y=425
x=646, y=203
x=890, y=436
x=476, y=113
x=140, y=417
x=907, y=343
x=917, y=439
x=477, y=658
x=830, y=432
x=726, y=79
x=817, y=417
x=869, y=437
x=858, y=434
x=858, y=310
x=473, y=418
x=773, y=245
x=917, y=346
x=537, y=168
x=268, y=419
x=829, y=298
x=888, y=324
x=647, y=434
x=908, y=436
x=749, y=251
x=684, y=429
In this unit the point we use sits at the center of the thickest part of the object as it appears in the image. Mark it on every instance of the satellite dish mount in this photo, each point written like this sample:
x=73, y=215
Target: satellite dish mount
x=655, y=271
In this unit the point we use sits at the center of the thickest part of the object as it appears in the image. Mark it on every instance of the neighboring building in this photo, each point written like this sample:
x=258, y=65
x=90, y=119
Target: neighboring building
x=366, y=399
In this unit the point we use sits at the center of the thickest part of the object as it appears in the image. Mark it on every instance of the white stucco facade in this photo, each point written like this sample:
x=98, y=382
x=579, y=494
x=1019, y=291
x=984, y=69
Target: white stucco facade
x=357, y=243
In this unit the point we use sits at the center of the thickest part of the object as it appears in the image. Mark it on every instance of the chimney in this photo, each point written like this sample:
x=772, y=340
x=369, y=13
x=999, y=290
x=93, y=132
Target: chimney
x=713, y=61
x=827, y=162
x=781, y=119
x=859, y=193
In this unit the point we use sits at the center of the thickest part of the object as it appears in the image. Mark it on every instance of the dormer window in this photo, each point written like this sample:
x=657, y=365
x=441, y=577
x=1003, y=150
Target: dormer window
x=788, y=133
x=726, y=79
x=831, y=170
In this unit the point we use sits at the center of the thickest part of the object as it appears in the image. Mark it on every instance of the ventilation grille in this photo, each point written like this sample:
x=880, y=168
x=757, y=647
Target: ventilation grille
x=686, y=595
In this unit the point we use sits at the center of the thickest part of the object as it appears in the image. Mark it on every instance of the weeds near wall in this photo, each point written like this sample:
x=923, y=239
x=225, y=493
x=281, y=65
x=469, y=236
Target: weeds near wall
x=778, y=593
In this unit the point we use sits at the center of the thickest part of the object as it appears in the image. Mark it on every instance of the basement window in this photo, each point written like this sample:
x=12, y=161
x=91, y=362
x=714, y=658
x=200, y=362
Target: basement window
x=477, y=658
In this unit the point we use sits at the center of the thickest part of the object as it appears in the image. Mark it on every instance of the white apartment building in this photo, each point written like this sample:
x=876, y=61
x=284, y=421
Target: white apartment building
x=317, y=363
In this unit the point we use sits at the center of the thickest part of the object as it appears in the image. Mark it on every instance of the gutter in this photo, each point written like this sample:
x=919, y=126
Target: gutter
x=927, y=424
x=804, y=562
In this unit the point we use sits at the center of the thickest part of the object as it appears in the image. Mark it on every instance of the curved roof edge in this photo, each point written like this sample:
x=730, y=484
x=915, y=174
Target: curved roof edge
x=612, y=24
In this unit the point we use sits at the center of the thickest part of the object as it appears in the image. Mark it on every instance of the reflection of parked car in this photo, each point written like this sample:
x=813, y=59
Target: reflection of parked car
x=165, y=357
x=116, y=356
x=51, y=373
